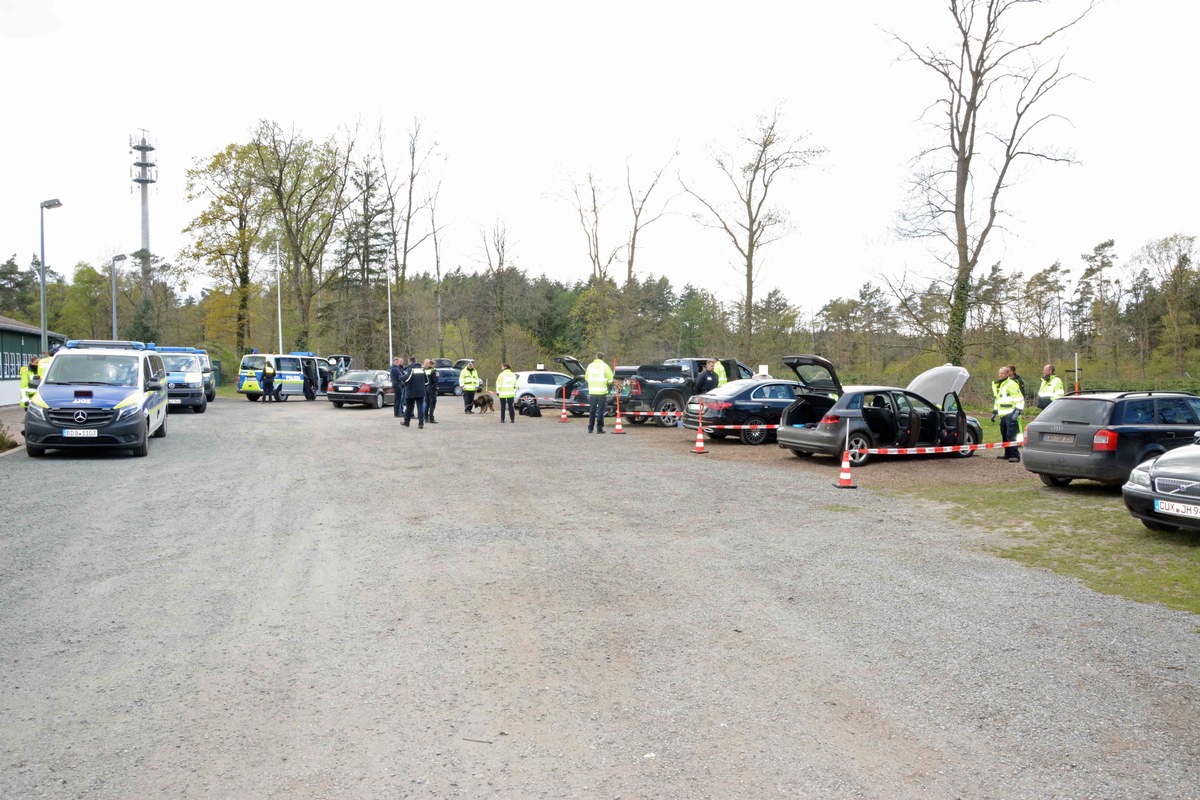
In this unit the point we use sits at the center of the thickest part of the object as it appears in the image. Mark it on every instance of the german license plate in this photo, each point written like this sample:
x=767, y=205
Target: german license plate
x=79, y=432
x=1061, y=438
x=1178, y=509
x=175, y=401
x=344, y=388
x=693, y=407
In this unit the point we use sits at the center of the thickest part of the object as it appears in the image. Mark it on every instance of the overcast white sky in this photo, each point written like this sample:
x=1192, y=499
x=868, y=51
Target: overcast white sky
x=522, y=97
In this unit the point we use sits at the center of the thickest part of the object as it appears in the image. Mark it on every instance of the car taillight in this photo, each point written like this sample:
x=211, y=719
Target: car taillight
x=830, y=419
x=1104, y=440
x=717, y=405
x=366, y=387
x=329, y=388
x=635, y=386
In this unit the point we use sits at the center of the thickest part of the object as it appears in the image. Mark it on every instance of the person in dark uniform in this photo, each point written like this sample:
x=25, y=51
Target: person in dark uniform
x=707, y=380
x=414, y=393
x=431, y=390
x=397, y=374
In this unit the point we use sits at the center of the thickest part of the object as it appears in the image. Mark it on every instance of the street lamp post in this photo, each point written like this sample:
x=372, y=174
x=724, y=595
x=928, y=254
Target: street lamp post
x=115, y=259
x=55, y=203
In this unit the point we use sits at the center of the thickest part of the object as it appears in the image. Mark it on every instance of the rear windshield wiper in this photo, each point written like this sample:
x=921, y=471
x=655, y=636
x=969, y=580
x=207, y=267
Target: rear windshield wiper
x=1074, y=422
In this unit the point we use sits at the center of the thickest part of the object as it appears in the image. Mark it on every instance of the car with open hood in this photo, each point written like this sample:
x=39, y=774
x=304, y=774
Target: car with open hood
x=828, y=418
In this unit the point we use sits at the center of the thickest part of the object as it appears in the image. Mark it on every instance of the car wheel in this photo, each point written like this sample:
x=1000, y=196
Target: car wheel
x=210, y=396
x=161, y=433
x=336, y=403
x=280, y=397
x=143, y=449
x=35, y=452
x=668, y=409
x=969, y=438
x=859, y=441
x=637, y=420
x=458, y=391
x=200, y=409
x=1159, y=526
x=253, y=398
x=755, y=436
x=1054, y=480
x=379, y=400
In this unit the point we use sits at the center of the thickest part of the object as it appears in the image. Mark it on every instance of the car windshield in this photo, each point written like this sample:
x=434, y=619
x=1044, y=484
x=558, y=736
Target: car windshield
x=179, y=363
x=94, y=368
x=358, y=375
x=1078, y=410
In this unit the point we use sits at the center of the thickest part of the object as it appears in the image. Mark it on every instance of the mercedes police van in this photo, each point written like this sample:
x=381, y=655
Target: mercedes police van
x=186, y=376
x=108, y=394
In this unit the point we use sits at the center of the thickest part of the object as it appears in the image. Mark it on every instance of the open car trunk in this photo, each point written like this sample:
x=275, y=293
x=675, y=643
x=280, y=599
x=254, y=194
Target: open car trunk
x=807, y=410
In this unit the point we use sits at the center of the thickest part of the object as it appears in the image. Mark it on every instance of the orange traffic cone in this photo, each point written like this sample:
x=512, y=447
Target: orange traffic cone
x=700, y=443
x=618, y=428
x=563, y=418
x=844, y=479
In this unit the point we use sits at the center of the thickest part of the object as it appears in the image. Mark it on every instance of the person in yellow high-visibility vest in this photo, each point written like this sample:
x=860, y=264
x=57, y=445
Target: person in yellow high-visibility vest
x=599, y=376
x=719, y=369
x=470, y=382
x=28, y=373
x=506, y=390
x=1051, y=388
x=1010, y=402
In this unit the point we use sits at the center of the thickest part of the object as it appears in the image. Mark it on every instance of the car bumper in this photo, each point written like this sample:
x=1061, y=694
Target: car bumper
x=1101, y=467
x=126, y=433
x=185, y=397
x=351, y=397
x=812, y=440
x=1140, y=502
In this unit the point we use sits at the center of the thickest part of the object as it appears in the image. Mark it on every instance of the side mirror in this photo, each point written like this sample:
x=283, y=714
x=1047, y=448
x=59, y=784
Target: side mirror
x=154, y=385
x=1196, y=437
x=207, y=371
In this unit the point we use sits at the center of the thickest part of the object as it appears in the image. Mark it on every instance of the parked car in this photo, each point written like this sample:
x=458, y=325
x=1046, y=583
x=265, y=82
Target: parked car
x=539, y=386
x=576, y=389
x=1164, y=492
x=829, y=418
x=1103, y=435
x=447, y=376
x=367, y=387
x=665, y=388
x=748, y=401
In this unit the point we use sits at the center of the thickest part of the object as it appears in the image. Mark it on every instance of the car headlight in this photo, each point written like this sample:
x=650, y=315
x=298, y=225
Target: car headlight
x=35, y=412
x=126, y=412
x=1140, y=477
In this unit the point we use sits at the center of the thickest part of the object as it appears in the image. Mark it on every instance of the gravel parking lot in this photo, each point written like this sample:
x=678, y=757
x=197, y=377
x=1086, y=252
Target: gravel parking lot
x=296, y=601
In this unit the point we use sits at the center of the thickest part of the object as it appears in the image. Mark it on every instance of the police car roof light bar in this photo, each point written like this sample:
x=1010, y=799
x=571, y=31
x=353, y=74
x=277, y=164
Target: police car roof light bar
x=84, y=344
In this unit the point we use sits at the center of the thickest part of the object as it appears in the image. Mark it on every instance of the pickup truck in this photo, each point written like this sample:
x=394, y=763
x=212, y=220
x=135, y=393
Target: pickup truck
x=665, y=388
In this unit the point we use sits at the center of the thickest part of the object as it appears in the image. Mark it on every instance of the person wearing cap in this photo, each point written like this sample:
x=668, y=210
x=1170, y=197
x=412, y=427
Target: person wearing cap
x=469, y=380
x=28, y=373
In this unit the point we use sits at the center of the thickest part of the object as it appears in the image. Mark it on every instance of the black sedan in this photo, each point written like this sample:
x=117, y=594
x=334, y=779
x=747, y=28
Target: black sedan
x=1164, y=492
x=749, y=401
x=367, y=387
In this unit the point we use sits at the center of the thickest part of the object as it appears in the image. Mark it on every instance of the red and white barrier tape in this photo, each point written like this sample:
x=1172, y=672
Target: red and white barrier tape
x=711, y=428
x=675, y=414
x=923, y=451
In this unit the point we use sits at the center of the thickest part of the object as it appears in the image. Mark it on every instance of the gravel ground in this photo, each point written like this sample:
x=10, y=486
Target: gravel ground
x=294, y=601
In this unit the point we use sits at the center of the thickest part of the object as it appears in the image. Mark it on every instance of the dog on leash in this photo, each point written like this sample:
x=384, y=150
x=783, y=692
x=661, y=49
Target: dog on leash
x=483, y=403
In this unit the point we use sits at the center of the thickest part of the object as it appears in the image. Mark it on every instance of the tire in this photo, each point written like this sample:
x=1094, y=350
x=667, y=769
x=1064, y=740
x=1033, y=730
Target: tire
x=671, y=403
x=637, y=420
x=860, y=440
x=458, y=391
x=755, y=437
x=1055, y=481
x=1159, y=526
x=378, y=402
x=968, y=438
x=253, y=398
x=35, y=452
x=280, y=397
x=161, y=433
x=200, y=409
x=210, y=396
x=336, y=403
x=143, y=449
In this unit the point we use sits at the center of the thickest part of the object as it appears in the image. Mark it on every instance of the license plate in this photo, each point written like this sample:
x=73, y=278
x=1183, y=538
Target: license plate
x=344, y=389
x=1062, y=438
x=81, y=432
x=1178, y=509
x=175, y=402
x=693, y=407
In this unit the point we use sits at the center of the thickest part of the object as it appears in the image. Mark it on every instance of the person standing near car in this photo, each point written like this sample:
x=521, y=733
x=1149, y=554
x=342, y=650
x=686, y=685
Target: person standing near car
x=414, y=393
x=1010, y=402
x=431, y=389
x=469, y=380
x=28, y=373
x=506, y=390
x=397, y=375
x=599, y=375
x=708, y=379
x=268, y=380
x=1051, y=388
x=719, y=368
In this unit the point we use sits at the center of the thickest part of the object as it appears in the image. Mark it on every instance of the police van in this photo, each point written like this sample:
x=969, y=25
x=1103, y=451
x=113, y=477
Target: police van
x=296, y=373
x=186, y=376
x=106, y=394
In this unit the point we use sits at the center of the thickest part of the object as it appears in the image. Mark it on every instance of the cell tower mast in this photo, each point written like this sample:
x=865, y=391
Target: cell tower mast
x=145, y=172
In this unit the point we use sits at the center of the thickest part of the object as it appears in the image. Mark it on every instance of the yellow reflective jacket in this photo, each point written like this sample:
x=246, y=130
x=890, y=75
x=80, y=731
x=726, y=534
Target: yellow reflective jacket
x=506, y=384
x=599, y=376
x=468, y=379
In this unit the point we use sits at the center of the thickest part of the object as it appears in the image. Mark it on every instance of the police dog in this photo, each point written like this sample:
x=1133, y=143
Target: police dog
x=483, y=403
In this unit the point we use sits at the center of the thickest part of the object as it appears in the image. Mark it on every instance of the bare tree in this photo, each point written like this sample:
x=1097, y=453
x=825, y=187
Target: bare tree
x=637, y=206
x=496, y=266
x=587, y=204
x=990, y=108
x=431, y=204
x=749, y=223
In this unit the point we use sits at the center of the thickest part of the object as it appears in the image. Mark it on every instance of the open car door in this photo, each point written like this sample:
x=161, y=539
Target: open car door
x=952, y=429
x=908, y=422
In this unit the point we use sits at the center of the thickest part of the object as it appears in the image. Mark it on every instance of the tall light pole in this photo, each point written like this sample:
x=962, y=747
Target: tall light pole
x=55, y=203
x=115, y=259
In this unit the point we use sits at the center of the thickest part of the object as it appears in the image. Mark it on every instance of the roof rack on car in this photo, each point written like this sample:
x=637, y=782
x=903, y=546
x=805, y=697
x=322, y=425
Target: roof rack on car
x=85, y=344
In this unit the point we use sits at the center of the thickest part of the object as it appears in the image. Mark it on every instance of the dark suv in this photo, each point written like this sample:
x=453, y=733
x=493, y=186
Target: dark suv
x=1104, y=435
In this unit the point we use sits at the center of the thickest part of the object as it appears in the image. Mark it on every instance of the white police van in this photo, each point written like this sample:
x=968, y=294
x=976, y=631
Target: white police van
x=106, y=394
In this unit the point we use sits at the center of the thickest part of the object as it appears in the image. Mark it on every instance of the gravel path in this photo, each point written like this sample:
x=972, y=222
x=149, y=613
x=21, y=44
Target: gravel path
x=303, y=602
